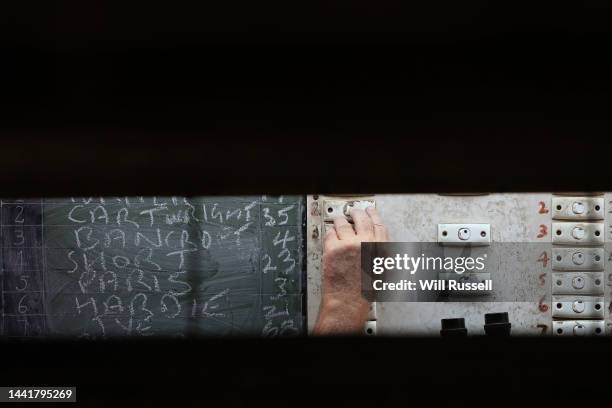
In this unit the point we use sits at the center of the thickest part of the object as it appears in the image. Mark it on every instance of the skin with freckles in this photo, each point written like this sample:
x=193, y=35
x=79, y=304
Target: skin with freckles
x=343, y=309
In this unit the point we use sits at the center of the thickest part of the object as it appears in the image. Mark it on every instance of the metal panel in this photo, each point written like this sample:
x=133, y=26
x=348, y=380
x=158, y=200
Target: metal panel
x=579, y=328
x=464, y=234
x=333, y=208
x=370, y=328
x=514, y=218
x=578, y=283
x=577, y=307
x=578, y=208
x=578, y=259
x=577, y=233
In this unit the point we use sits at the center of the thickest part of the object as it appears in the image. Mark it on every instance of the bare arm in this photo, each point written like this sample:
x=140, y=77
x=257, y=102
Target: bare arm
x=343, y=309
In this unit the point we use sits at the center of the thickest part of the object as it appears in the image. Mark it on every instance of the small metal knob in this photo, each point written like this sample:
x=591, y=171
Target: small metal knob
x=578, y=232
x=579, y=330
x=464, y=234
x=578, y=258
x=578, y=282
x=578, y=306
x=578, y=208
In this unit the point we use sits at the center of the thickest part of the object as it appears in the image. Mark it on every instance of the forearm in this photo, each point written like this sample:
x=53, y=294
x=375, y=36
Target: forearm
x=339, y=316
x=344, y=310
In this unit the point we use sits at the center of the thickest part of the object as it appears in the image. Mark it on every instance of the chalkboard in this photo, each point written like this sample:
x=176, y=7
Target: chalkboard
x=103, y=267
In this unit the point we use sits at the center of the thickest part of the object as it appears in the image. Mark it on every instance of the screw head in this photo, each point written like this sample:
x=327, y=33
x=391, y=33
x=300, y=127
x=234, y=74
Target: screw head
x=578, y=282
x=579, y=330
x=578, y=233
x=578, y=258
x=578, y=208
x=578, y=306
x=464, y=234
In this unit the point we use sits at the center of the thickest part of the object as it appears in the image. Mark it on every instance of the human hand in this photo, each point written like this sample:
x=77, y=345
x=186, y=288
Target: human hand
x=343, y=308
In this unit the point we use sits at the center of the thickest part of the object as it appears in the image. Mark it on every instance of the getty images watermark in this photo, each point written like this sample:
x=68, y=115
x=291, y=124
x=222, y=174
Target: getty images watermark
x=412, y=264
x=429, y=272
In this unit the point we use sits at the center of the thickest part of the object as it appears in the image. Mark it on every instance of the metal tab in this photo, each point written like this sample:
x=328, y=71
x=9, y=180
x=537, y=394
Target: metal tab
x=577, y=307
x=578, y=283
x=464, y=234
x=578, y=259
x=370, y=328
x=578, y=208
x=341, y=208
x=577, y=233
x=579, y=327
x=372, y=315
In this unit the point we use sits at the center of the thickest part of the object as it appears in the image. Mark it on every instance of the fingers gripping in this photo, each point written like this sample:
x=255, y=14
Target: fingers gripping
x=363, y=223
x=343, y=228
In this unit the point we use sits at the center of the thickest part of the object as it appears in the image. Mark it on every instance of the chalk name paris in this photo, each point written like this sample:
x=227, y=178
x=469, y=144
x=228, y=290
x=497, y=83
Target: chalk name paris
x=432, y=285
x=133, y=270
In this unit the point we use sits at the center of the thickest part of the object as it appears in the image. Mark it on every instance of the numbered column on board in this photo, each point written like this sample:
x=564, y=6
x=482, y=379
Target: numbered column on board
x=281, y=265
x=23, y=268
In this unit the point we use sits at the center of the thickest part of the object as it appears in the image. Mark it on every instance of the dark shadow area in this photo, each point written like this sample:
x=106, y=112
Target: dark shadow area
x=119, y=98
x=238, y=98
x=319, y=371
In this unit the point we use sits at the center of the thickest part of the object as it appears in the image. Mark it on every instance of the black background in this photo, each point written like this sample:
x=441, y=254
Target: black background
x=304, y=96
x=347, y=372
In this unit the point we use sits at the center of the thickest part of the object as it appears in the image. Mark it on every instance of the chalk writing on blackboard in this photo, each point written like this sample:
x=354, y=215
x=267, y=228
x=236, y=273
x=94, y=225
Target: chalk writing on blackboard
x=143, y=266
